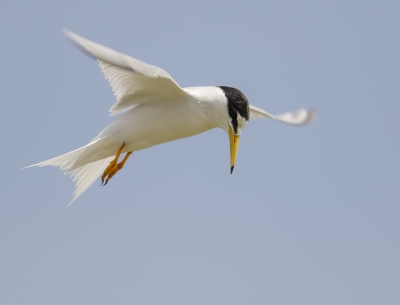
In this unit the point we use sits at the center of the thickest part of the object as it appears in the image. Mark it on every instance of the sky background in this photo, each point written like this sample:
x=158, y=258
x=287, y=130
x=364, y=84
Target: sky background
x=310, y=214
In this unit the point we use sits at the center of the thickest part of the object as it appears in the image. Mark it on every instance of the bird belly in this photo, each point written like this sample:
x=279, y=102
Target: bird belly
x=146, y=126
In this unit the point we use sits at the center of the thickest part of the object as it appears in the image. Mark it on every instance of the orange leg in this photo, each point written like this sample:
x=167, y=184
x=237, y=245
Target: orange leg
x=114, y=166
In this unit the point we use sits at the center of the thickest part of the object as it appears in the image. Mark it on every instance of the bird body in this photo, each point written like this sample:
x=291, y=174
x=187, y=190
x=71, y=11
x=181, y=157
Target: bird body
x=154, y=109
x=202, y=109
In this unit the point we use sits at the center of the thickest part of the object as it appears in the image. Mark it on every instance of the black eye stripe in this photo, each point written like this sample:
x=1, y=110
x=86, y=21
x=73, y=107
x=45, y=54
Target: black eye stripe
x=237, y=105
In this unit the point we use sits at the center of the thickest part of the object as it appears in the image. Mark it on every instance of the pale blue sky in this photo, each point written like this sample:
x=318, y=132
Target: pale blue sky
x=309, y=216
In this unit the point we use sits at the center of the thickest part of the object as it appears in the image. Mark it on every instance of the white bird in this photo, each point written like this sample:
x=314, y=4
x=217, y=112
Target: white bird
x=155, y=110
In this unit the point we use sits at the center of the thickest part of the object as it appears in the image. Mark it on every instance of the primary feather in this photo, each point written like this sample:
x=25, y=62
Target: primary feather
x=133, y=81
x=300, y=117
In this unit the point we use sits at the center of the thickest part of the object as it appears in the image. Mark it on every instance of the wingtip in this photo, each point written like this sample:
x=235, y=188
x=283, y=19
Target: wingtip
x=68, y=33
x=74, y=38
x=311, y=115
x=299, y=118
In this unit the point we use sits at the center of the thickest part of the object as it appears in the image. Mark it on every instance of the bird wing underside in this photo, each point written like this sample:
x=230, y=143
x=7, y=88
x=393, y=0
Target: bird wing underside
x=299, y=117
x=133, y=82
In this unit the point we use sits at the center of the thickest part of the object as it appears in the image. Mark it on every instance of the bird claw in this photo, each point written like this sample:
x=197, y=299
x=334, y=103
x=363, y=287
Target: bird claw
x=114, y=166
x=104, y=181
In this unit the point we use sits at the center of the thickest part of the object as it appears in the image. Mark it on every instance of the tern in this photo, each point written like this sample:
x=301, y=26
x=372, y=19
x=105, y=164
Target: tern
x=154, y=110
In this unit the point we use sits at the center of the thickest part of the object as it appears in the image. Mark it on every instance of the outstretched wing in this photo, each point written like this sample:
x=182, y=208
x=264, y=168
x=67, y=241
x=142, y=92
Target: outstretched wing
x=299, y=117
x=133, y=81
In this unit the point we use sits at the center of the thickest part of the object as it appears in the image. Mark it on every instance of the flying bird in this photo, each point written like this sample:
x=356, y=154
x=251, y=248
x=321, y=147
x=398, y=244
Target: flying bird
x=155, y=110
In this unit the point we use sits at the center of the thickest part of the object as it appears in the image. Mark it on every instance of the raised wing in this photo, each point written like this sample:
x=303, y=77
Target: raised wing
x=299, y=117
x=133, y=82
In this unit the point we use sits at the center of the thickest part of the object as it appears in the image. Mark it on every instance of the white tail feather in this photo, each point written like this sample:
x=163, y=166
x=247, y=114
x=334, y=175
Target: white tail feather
x=64, y=161
x=84, y=175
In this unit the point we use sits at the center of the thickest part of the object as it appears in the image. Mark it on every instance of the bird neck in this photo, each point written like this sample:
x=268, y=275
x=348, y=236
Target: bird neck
x=211, y=104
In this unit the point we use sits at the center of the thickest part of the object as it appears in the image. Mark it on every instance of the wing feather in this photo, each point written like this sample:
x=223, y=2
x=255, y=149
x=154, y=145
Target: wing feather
x=133, y=82
x=299, y=117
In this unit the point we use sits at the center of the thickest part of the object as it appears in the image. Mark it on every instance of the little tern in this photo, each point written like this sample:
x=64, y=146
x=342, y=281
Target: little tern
x=155, y=110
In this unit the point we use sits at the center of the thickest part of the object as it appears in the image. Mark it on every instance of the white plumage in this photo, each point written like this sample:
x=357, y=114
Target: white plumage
x=156, y=110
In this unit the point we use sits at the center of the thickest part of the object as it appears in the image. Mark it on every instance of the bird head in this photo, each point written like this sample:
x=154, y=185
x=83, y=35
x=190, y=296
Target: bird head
x=239, y=113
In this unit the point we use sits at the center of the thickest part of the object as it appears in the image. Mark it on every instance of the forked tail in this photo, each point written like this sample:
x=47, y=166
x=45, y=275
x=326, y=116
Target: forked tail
x=84, y=175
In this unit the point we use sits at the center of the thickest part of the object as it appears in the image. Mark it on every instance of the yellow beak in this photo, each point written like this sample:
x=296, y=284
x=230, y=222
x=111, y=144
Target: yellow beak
x=234, y=143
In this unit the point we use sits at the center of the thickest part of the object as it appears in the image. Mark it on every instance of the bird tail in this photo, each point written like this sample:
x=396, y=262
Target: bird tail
x=84, y=175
